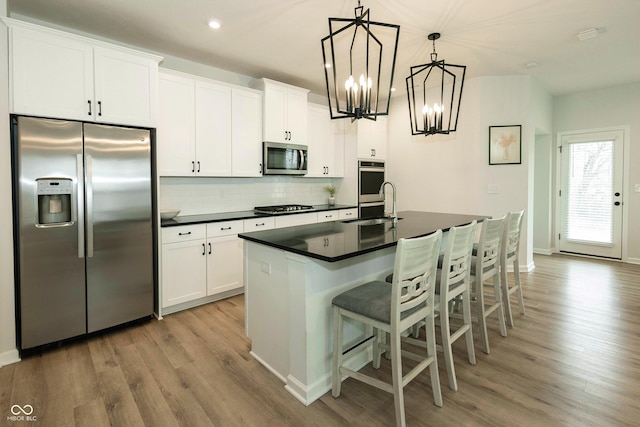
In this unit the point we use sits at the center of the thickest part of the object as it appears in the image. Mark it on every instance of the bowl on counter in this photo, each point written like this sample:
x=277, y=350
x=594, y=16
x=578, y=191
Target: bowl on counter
x=168, y=213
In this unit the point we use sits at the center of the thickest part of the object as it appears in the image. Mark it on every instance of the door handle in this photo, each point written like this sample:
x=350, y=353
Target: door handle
x=184, y=234
x=209, y=248
x=198, y=166
x=99, y=108
x=89, y=102
x=204, y=250
x=89, y=213
x=80, y=199
x=193, y=166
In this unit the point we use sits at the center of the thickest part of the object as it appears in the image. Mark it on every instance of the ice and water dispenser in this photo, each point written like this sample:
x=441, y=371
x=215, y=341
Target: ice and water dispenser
x=54, y=201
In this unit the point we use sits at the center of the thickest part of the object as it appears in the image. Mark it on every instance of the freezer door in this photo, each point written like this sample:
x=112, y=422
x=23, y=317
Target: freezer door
x=51, y=286
x=119, y=235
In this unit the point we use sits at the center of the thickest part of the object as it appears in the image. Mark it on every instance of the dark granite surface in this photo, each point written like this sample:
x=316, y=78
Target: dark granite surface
x=337, y=240
x=229, y=216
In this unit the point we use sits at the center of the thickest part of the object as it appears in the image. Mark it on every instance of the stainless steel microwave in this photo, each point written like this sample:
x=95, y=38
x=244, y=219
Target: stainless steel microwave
x=284, y=159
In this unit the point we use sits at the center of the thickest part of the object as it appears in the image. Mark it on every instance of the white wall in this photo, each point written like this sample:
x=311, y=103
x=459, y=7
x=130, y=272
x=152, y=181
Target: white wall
x=610, y=107
x=451, y=173
x=8, y=353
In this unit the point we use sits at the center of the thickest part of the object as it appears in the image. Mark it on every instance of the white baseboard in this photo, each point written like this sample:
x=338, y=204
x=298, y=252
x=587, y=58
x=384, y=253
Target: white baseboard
x=9, y=357
x=633, y=260
x=540, y=251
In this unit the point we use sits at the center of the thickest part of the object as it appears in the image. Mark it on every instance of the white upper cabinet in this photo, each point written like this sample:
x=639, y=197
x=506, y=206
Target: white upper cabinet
x=284, y=112
x=325, y=138
x=372, y=139
x=213, y=129
x=55, y=74
x=246, y=132
x=194, y=127
x=176, y=133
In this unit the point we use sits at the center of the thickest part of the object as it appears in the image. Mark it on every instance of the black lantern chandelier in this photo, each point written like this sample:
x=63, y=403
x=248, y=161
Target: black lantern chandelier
x=434, y=91
x=358, y=71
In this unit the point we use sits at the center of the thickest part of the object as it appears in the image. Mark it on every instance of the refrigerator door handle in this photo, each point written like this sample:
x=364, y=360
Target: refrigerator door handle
x=80, y=204
x=89, y=213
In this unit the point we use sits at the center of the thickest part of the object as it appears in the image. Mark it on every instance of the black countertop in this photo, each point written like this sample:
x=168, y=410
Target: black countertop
x=230, y=216
x=337, y=240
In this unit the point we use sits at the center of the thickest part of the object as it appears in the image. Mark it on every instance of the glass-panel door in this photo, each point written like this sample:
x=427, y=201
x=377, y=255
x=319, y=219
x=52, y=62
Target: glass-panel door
x=591, y=194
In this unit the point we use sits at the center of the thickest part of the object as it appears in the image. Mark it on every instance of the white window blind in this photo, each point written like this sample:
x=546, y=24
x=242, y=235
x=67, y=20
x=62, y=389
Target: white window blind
x=590, y=192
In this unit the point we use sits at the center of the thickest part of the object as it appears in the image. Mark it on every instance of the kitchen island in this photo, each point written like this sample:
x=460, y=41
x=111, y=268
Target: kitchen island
x=291, y=276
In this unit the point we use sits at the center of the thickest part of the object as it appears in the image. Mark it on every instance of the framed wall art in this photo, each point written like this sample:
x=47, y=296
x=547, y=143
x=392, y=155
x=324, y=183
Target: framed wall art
x=505, y=145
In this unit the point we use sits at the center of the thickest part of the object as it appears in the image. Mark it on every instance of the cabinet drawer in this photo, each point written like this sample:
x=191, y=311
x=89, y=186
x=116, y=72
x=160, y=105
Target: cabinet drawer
x=328, y=216
x=259, y=224
x=296, y=219
x=349, y=213
x=216, y=229
x=183, y=233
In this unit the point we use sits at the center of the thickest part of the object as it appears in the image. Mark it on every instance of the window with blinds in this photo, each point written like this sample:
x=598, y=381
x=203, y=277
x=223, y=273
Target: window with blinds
x=590, y=192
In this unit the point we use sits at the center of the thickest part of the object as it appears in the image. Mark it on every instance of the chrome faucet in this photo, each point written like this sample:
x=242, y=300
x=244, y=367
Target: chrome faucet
x=394, y=214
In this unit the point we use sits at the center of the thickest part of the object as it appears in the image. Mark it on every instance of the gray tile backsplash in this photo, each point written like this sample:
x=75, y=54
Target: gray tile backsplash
x=194, y=196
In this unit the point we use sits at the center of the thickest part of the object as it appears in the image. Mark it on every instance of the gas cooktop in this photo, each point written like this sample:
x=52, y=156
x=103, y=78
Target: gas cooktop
x=278, y=209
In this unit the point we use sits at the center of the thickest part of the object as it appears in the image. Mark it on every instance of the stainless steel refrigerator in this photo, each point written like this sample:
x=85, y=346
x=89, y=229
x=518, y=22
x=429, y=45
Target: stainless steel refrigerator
x=83, y=227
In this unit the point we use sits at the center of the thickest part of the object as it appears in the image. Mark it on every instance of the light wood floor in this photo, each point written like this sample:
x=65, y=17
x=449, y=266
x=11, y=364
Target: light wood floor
x=572, y=360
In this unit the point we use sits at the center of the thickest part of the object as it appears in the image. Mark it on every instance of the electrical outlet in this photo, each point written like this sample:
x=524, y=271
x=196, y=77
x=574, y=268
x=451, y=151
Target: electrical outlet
x=266, y=267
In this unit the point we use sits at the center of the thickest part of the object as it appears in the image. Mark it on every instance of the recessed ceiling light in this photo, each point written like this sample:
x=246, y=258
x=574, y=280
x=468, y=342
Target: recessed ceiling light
x=393, y=89
x=214, y=24
x=591, y=33
x=327, y=65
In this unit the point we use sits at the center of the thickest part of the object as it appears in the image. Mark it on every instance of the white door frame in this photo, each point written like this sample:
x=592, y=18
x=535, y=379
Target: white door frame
x=625, y=183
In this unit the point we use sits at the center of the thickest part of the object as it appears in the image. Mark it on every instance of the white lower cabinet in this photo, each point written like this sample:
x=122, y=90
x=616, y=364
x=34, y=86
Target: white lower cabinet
x=200, y=261
x=224, y=257
x=184, y=264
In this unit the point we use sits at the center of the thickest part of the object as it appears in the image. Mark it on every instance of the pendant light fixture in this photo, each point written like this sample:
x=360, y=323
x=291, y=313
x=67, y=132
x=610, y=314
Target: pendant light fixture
x=358, y=70
x=434, y=91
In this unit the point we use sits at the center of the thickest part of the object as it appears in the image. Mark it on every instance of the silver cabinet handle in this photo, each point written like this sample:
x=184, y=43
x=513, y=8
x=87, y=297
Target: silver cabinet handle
x=225, y=228
x=80, y=198
x=89, y=214
x=99, y=108
x=184, y=234
x=198, y=166
x=89, y=102
x=260, y=225
x=209, y=248
x=193, y=166
x=204, y=249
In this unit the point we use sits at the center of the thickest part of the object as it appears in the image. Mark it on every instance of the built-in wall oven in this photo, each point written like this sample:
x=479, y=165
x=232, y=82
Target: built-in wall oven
x=370, y=178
